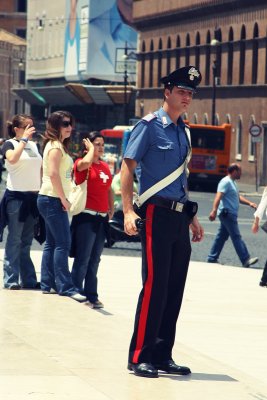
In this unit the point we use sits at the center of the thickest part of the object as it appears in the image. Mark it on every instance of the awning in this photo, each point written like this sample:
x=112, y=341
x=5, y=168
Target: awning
x=30, y=96
x=98, y=94
x=75, y=94
x=58, y=96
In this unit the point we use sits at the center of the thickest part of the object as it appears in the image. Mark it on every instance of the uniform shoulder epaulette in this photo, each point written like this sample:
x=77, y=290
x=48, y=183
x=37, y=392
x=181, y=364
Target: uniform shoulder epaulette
x=149, y=117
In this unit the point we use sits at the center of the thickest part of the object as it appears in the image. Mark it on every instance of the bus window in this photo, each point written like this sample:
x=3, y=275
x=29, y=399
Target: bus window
x=207, y=139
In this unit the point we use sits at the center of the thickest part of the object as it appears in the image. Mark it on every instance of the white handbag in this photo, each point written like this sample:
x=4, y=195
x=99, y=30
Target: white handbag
x=78, y=197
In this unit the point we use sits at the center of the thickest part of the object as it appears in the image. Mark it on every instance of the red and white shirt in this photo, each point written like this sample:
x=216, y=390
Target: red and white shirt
x=98, y=184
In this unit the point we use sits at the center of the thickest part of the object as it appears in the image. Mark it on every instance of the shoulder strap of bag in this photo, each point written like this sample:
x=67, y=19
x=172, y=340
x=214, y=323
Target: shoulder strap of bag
x=168, y=179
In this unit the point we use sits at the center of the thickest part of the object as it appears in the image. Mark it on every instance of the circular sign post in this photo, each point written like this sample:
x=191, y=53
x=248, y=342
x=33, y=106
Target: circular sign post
x=255, y=131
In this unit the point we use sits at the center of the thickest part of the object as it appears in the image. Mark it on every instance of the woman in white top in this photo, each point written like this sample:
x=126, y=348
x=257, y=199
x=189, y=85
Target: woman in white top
x=53, y=205
x=255, y=228
x=19, y=204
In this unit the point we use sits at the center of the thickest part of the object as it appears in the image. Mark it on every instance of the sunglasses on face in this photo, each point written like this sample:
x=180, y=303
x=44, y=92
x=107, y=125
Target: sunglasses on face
x=66, y=124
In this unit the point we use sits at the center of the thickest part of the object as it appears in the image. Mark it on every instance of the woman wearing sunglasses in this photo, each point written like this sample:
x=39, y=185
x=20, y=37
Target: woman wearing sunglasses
x=53, y=205
x=19, y=204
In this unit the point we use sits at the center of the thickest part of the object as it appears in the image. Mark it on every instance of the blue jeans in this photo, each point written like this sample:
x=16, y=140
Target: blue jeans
x=89, y=240
x=17, y=260
x=54, y=268
x=228, y=227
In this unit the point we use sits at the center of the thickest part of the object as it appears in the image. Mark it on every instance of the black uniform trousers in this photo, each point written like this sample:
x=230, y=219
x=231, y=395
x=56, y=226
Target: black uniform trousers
x=166, y=251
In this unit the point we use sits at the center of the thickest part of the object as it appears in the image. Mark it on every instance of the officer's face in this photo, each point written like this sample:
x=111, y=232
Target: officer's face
x=178, y=98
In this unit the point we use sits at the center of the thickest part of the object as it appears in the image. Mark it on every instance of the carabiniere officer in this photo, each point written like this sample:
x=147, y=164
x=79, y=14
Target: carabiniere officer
x=159, y=144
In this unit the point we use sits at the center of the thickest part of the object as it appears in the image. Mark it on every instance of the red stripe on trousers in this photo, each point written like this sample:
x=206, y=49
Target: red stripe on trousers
x=147, y=287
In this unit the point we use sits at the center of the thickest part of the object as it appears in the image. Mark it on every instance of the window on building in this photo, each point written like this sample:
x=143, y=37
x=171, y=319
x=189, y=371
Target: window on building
x=205, y=119
x=242, y=55
x=255, y=48
x=228, y=118
x=197, y=50
x=239, y=133
x=21, y=6
x=169, y=46
x=230, y=57
x=187, y=50
x=195, y=118
x=177, y=52
x=251, y=145
x=207, y=69
x=143, y=49
x=159, y=61
x=21, y=32
x=217, y=119
x=151, y=61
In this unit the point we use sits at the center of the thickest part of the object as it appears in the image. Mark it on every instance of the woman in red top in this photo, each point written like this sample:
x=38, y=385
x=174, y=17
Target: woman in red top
x=88, y=227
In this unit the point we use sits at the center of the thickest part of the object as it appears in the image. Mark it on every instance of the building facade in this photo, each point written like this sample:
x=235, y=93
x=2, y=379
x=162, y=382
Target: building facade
x=75, y=62
x=227, y=41
x=13, y=16
x=12, y=74
x=12, y=55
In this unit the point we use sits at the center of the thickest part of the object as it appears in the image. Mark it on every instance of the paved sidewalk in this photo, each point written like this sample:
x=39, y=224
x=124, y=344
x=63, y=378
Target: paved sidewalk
x=55, y=348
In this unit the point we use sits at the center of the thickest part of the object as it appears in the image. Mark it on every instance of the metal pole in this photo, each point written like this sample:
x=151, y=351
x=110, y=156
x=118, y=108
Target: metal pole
x=256, y=167
x=125, y=85
x=213, y=111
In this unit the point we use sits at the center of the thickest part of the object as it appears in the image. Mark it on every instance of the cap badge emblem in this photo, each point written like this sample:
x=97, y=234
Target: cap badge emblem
x=193, y=73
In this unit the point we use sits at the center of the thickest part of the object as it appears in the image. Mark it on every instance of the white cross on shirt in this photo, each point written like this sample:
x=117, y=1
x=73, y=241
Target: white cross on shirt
x=103, y=176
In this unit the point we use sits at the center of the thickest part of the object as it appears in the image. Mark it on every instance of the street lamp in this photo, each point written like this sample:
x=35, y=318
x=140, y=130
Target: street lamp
x=215, y=79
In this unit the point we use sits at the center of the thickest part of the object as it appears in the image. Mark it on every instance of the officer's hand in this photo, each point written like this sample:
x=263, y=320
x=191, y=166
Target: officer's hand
x=197, y=230
x=129, y=223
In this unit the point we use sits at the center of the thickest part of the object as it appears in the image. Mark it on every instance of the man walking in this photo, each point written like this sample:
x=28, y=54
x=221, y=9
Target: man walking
x=159, y=144
x=225, y=205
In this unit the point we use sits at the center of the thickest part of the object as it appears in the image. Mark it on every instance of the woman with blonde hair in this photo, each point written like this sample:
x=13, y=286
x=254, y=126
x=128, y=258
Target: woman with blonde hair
x=54, y=205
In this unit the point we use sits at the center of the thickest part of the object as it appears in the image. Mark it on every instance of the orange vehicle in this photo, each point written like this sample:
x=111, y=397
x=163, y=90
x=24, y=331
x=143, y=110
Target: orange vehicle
x=211, y=154
x=114, y=145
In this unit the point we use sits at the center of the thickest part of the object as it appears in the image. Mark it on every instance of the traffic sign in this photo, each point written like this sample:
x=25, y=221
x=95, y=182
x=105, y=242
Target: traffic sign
x=256, y=139
x=255, y=130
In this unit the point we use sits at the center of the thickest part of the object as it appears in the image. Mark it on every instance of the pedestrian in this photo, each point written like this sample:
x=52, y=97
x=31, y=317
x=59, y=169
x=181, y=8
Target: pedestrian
x=159, y=144
x=88, y=229
x=255, y=228
x=53, y=205
x=116, y=187
x=226, y=205
x=19, y=204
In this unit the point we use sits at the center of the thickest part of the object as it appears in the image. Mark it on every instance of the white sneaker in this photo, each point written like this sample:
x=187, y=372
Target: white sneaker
x=51, y=291
x=78, y=297
x=250, y=262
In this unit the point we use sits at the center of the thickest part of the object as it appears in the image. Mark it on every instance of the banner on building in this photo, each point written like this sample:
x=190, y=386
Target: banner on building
x=95, y=29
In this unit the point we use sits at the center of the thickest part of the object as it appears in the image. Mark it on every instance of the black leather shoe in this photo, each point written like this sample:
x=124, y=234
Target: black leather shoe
x=171, y=368
x=143, y=369
x=263, y=284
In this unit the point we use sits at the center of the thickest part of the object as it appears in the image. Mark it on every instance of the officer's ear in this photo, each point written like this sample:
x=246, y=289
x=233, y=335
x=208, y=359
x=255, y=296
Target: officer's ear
x=167, y=92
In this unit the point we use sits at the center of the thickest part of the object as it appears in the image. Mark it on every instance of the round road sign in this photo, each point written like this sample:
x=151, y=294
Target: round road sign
x=255, y=130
